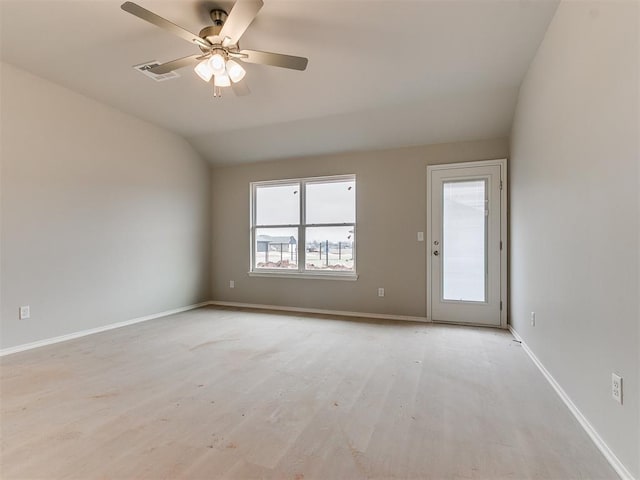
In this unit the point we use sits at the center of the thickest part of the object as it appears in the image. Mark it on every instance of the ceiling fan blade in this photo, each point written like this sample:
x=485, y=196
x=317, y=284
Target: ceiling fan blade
x=240, y=89
x=240, y=17
x=175, y=64
x=274, y=59
x=158, y=21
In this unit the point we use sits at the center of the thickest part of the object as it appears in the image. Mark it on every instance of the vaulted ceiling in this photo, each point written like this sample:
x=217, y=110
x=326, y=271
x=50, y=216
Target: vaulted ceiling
x=380, y=74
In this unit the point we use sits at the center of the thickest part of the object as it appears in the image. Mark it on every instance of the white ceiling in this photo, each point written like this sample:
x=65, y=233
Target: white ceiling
x=380, y=75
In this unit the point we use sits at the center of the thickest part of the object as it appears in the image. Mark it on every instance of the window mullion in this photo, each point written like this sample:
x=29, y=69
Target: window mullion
x=348, y=224
x=302, y=242
x=253, y=226
x=286, y=225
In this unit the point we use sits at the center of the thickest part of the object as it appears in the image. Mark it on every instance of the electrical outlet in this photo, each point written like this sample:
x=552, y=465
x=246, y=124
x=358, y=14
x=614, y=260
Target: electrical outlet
x=533, y=319
x=381, y=292
x=616, y=388
x=232, y=284
x=24, y=312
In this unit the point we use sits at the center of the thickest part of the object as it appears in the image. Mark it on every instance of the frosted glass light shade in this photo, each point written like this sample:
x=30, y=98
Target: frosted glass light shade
x=235, y=71
x=221, y=80
x=216, y=64
x=204, y=71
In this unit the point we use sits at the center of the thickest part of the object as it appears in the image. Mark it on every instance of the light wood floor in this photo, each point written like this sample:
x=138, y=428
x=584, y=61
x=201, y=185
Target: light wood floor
x=220, y=393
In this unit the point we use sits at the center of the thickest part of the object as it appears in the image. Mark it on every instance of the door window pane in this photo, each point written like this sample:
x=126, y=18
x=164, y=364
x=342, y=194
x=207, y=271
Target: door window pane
x=464, y=241
x=276, y=248
x=331, y=202
x=329, y=248
x=278, y=204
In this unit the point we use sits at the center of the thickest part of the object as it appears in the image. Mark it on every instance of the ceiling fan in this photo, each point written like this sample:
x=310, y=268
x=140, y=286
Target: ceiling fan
x=220, y=52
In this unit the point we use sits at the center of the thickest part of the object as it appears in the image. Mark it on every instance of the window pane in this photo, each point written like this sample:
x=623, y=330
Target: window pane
x=464, y=240
x=276, y=248
x=278, y=204
x=329, y=248
x=331, y=202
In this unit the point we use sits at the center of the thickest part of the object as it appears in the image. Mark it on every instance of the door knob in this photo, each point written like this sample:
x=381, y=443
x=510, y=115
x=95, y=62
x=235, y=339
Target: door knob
x=436, y=253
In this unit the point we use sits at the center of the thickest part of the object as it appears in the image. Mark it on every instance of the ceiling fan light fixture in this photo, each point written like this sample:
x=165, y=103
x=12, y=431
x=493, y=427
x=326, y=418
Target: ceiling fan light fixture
x=221, y=80
x=217, y=64
x=216, y=44
x=235, y=71
x=204, y=70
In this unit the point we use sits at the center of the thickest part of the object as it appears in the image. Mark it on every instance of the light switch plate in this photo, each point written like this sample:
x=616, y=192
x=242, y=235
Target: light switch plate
x=24, y=312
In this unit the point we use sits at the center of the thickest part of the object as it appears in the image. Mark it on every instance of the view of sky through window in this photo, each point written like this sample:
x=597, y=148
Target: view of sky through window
x=333, y=202
x=278, y=204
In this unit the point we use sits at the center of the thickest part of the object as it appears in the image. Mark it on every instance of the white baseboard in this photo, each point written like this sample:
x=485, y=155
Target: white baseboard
x=380, y=316
x=84, y=333
x=104, y=328
x=617, y=465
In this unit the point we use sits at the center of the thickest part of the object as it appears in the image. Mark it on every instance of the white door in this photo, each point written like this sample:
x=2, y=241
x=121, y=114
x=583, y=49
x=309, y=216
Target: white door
x=465, y=223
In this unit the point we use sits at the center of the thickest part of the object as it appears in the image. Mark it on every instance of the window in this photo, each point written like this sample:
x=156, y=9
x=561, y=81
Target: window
x=304, y=227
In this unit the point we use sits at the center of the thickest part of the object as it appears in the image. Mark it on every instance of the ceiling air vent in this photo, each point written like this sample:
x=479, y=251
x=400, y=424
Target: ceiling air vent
x=145, y=67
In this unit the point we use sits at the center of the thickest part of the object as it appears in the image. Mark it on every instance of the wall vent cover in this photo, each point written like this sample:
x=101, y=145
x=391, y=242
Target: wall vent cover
x=145, y=67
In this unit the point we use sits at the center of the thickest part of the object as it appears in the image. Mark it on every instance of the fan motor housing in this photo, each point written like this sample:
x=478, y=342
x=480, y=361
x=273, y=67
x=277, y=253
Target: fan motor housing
x=218, y=17
x=212, y=32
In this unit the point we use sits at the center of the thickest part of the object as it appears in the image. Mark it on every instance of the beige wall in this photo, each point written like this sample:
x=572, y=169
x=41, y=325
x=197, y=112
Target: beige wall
x=391, y=199
x=575, y=213
x=104, y=217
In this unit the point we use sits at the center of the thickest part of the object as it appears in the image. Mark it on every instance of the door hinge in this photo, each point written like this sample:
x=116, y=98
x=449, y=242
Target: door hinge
x=500, y=184
x=500, y=244
x=500, y=305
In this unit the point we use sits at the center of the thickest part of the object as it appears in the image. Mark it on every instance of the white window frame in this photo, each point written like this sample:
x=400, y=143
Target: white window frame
x=301, y=226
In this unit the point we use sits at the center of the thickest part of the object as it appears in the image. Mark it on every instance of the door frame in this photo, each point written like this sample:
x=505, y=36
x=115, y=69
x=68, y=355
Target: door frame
x=502, y=163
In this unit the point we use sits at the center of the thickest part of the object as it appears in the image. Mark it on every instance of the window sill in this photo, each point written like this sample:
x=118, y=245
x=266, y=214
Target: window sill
x=351, y=277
